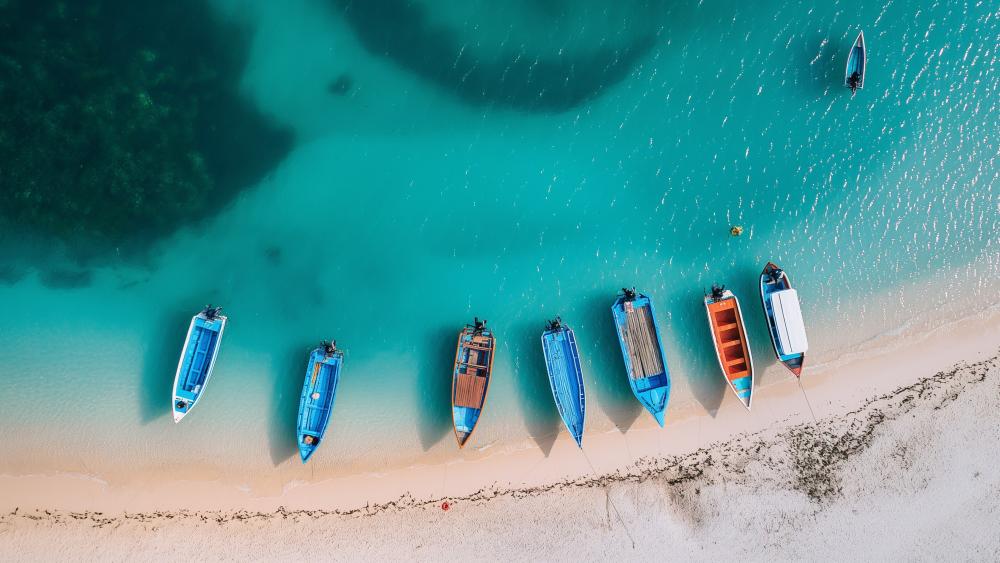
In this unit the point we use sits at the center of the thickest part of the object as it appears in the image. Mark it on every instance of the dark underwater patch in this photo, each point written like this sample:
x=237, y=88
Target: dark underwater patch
x=66, y=279
x=401, y=31
x=122, y=119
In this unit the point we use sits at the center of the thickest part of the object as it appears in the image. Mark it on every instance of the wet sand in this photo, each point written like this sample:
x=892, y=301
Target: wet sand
x=901, y=461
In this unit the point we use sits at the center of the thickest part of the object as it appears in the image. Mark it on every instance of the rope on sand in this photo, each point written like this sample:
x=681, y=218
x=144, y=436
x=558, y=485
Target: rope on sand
x=610, y=502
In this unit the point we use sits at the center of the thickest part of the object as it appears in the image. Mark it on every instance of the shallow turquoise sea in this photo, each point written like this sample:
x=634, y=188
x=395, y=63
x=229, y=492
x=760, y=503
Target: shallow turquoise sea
x=581, y=149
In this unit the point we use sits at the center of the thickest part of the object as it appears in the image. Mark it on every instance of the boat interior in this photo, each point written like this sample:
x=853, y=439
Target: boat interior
x=200, y=348
x=639, y=334
x=728, y=337
x=472, y=371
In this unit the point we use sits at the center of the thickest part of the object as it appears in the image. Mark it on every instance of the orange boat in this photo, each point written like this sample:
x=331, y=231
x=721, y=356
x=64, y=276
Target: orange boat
x=471, y=378
x=730, y=340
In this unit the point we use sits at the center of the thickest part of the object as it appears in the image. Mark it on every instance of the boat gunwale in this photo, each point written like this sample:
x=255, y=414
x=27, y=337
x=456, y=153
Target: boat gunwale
x=769, y=319
x=741, y=325
x=308, y=384
x=578, y=368
x=470, y=329
x=210, y=367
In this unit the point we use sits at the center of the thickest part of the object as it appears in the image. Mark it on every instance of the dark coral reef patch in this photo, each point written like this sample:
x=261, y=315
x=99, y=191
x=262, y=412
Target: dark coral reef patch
x=404, y=32
x=122, y=119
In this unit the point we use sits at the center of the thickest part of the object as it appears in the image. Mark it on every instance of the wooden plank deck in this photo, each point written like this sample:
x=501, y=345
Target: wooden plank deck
x=639, y=334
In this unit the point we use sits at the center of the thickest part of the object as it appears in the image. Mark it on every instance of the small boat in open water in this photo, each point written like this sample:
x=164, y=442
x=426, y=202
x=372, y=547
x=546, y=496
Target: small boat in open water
x=471, y=378
x=784, y=318
x=319, y=390
x=642, y=350
x=562, y=361
x=730, y=340
x=854, y=75
x=201, y=347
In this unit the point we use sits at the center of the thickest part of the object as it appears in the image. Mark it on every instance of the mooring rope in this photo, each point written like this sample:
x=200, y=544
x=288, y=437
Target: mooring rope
x=610, y=502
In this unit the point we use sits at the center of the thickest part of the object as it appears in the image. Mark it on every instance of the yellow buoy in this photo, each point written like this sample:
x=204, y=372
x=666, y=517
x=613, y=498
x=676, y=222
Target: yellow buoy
x=736, y=231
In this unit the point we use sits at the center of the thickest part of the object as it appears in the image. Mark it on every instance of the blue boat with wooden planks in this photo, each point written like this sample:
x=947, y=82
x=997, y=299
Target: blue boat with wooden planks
x=784, y=318
x=471, y=378
x=562, y=361
x=319, y=390
x=642, y=350
x=201, y=348
x=857, y=59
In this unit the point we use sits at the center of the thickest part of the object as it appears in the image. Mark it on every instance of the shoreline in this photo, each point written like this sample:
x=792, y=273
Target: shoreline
x=834, y=387
x=892, y=475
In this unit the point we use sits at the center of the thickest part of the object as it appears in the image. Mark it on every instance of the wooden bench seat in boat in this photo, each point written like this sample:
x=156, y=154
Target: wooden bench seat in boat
x=469, y=390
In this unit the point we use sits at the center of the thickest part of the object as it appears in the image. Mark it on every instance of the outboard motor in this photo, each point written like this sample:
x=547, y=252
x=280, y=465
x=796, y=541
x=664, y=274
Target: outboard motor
x=554, y=324
x=329, y=348
x=479, y=326
x=629, y=293
x=718, y=291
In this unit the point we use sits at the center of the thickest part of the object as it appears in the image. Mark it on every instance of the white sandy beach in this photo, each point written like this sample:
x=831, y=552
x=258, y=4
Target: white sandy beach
x=902, y=462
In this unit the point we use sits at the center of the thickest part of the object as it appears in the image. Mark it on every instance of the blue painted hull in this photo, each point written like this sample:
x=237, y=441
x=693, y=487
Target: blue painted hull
x=562, y=360
x=319, y=390
x=856, y=62
x=793, y=362
x=650, y=381
x=194, y=369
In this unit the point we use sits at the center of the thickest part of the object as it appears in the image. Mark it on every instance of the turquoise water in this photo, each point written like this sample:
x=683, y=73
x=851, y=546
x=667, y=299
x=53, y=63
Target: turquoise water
x=562, y=151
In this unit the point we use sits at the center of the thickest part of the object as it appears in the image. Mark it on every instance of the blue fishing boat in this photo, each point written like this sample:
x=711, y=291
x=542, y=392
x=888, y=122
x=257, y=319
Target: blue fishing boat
x=201, y=348
x=318, y=393
x=784, y=318
x=562, y=360
x=854, y=75
x=642, y=350
x=471, y=378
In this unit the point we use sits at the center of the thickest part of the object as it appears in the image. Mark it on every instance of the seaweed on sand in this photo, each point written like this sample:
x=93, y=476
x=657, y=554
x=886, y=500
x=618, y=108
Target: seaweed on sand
x=122, y=119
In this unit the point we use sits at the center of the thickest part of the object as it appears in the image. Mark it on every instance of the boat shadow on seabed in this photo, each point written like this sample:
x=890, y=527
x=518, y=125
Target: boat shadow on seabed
x=434, y=387
x=540, y=413
x=285, y=405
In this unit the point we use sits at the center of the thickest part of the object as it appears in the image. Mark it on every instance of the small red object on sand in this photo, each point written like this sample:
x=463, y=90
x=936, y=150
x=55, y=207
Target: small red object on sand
x=445, y=506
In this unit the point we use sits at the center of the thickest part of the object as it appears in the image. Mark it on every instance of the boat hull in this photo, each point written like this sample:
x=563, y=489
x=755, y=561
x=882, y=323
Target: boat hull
x=642, y=351
x=471, y=380
x=562, y=362
x=732, y=347
x=319, y=391
x=197, y=361
x=857, y=61
x=794, y=362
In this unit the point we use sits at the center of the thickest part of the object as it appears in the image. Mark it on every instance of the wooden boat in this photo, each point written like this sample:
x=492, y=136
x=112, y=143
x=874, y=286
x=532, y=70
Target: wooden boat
x=856, y=63
x=784, y=318
x=730, y=340
x=471, y=378
x=201, y=348
x=319, y=390
x=562, y=361
x=642, y=350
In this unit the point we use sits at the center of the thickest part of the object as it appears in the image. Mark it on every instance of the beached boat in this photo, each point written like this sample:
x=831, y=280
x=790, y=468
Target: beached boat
x=319, y=390
x=730, y=340
x=854, y=75
x=784, y=318
x=201, y=348
x=471, y=378
x=642, y=350
x=562, y=361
